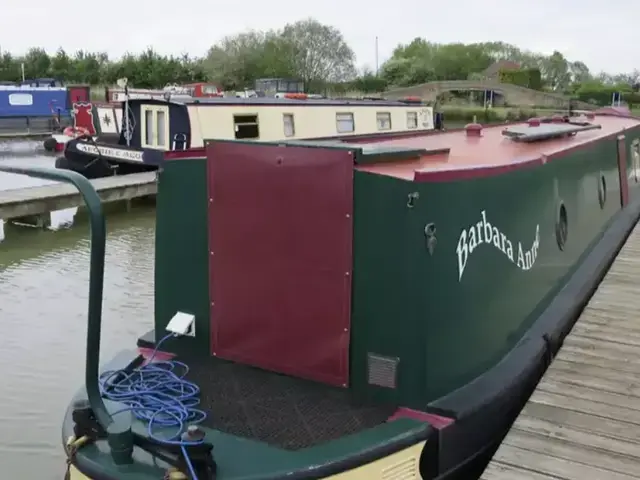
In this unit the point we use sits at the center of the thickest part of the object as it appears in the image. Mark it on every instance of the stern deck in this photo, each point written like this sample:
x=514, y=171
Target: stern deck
x=276, y=409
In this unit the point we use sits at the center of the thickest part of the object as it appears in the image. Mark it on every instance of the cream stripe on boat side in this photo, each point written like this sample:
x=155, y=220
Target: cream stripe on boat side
x=195, y=125
x=402, y=465
x=310, y=121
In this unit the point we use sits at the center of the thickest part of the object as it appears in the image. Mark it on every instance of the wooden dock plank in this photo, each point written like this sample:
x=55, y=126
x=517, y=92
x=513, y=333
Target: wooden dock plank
x=583, y=420
x=24, y=135
x=57, y=196
x=503, y=471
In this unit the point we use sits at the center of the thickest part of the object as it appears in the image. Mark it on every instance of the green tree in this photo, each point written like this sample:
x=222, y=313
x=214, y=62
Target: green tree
x=61, y=64
x=420, y=61
x=36, y=61
x=9, y=68
x=235, y=61
x=556, y=72
x=319, y=55
x=579, y=72
x=368, y=82
x=305, y=50
x=319, y=52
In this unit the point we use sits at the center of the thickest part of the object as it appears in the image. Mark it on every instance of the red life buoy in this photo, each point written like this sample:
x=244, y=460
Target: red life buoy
x=76, y=132
x=296, y=96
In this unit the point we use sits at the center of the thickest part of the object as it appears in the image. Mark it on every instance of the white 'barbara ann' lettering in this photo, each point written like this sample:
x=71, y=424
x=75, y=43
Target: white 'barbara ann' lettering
x=484, y=233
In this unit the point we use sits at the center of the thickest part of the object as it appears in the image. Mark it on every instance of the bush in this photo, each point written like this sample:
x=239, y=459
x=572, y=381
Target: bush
x=602, y=94
x=491, y=115
x=528, y=77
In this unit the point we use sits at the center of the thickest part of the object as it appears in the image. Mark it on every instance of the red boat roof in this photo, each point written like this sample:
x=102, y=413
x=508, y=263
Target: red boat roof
x=446, y=155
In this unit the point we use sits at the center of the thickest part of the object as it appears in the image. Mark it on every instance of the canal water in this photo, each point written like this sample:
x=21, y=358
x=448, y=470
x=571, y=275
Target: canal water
x=43, y=317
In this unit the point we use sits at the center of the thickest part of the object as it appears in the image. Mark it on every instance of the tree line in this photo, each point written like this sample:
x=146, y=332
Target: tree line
x=319, y=55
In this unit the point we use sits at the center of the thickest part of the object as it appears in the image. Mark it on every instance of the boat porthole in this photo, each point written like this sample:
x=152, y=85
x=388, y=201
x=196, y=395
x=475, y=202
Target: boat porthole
x=562, y=227
x=602, y=191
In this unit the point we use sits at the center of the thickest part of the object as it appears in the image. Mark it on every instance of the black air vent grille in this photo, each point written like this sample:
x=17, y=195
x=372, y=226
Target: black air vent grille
x=382, y=370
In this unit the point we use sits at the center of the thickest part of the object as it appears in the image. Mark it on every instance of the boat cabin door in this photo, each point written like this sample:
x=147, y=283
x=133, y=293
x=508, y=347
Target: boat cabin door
x=155, y=127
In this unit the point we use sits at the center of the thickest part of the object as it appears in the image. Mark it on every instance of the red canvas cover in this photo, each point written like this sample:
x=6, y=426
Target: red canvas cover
x=78, y=94
x=280, y=237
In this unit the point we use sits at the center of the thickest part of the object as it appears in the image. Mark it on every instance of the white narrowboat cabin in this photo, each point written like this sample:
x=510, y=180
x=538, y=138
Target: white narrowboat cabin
x=149, y=127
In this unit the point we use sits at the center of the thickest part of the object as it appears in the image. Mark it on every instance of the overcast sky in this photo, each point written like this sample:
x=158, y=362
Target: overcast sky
x=604, y=35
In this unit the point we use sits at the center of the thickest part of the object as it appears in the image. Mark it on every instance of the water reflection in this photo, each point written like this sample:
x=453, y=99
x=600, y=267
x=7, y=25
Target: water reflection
x=43, y=306
x=22, y=154
x=62, y=218
x=21, y=148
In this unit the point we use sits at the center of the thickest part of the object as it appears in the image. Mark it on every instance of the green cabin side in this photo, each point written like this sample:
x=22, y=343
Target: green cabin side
x=436, y=300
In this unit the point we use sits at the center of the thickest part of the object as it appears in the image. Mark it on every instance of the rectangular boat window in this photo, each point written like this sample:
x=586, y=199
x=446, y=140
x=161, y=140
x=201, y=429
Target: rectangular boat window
x=345, y=123
x=384, y=120
x=161, y=123
x=21, y=99
x=148, y=127
x=246, y=126
x=288, y=125
x=412, y=120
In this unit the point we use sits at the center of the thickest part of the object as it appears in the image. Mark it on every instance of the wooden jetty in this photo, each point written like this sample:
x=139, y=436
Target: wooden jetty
x=583, y=420
x=34, y=201
x=24, y=135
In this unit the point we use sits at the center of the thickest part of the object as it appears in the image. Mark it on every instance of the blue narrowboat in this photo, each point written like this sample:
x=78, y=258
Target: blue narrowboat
x=38, y=104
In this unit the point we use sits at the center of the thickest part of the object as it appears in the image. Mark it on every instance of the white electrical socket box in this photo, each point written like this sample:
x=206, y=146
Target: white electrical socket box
x=182, y=324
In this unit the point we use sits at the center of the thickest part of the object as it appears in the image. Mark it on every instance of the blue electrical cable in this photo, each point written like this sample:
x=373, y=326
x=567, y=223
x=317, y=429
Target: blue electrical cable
x=156, y=394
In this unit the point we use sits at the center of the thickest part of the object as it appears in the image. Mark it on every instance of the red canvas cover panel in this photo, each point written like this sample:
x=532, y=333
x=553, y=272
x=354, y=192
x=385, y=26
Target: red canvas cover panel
x=83, y=114
x=280, y=237
x=78, y=94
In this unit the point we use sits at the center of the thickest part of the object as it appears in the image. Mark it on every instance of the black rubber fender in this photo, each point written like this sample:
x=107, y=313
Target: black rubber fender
x=63, y=164
x=50, y=144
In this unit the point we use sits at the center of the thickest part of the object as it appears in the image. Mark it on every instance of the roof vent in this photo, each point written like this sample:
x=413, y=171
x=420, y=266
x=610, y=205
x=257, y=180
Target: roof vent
x=473, y=130
x=534, y=122
x=546, y=131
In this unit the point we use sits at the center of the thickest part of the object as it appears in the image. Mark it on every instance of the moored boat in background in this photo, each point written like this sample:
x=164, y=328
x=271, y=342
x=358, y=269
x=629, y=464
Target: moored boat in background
x=38, y=106
x=94, y=121
x=117, y=95
x=151, y=127
x=353, y=310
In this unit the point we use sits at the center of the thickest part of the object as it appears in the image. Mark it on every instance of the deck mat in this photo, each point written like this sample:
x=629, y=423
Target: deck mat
x=276, y=409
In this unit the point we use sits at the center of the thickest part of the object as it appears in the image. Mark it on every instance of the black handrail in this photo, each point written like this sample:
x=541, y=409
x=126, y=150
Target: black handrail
x=96, y=276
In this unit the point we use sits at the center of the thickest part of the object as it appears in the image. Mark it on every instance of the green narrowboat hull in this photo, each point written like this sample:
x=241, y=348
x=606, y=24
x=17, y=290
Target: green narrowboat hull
x=469, y=283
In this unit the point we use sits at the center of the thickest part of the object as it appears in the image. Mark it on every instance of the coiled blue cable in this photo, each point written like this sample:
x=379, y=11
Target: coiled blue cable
x=156, y=393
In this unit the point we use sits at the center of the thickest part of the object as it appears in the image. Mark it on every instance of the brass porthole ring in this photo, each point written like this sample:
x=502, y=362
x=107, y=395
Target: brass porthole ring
x=562, y=226
x=602, y=191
